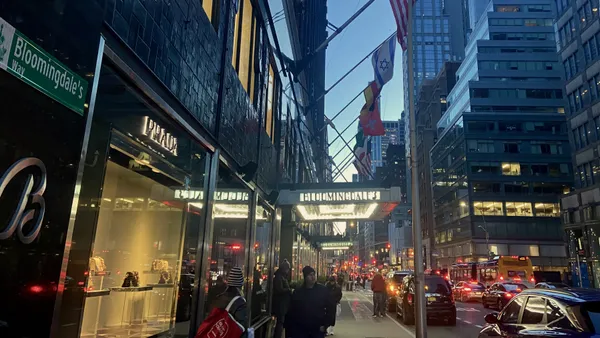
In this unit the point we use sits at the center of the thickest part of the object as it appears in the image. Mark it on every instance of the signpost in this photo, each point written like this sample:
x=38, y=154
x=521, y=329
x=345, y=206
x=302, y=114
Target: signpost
x=25, y=60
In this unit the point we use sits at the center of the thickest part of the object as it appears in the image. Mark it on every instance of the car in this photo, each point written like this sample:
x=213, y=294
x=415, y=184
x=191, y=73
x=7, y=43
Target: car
x=567, y=312
x=438, y=297
x=466, y=291
x=551, y=285
x=392, y=283
x=498, y=294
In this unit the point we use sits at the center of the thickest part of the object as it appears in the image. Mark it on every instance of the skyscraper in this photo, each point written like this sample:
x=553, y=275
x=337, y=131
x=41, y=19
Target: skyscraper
x=502, y=158
x=379, y=144
x=438, y=36
x=579, y=50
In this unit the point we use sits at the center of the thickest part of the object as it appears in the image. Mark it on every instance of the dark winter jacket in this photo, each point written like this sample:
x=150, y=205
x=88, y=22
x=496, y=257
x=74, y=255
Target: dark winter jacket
x=378, y=283
x=238, y=310
x=335, y=290
x=281, y=294
x=310, y=309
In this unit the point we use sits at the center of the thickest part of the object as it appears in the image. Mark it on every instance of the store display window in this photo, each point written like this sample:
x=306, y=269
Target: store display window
x=142, y=215
x=262, y=266
x=230, y=242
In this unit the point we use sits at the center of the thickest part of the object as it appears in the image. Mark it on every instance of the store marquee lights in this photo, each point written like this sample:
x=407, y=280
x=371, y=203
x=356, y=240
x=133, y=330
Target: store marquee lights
x=221, y=196
x=308, y=216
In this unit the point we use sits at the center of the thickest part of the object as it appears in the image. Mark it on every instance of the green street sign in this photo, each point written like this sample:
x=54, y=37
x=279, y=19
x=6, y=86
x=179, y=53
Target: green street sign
x=27, y=61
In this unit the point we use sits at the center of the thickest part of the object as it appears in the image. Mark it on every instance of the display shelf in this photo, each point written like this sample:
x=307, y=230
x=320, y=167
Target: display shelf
x=132, y=289
x=165, y=285
x=97, y=293
x=99, y=273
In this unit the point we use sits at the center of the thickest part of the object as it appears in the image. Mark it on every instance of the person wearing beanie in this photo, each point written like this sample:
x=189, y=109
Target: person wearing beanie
x=235, y=282
x=312, y=308
x=281, y=296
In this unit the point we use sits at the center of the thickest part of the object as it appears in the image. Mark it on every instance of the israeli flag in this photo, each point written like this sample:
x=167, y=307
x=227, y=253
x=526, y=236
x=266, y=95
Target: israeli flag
x=383, y=61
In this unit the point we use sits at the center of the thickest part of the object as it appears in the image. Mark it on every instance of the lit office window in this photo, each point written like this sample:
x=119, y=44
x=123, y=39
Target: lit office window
x=511, y=169
x=488, y=208
x=547, y=210
x=522, y=209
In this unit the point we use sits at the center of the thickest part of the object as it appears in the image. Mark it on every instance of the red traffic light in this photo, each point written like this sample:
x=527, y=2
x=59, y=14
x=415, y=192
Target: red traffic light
x=355, y=258
x=389, y=245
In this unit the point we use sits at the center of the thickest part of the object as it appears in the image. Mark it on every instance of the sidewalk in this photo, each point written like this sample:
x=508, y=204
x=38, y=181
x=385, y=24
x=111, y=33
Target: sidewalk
x=356, y=320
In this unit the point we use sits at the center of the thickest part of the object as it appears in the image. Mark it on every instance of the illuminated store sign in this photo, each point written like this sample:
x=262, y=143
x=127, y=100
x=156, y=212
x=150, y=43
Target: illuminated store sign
x=336, y=245
x=160, y=135
x=341, y=196
x=198, y=195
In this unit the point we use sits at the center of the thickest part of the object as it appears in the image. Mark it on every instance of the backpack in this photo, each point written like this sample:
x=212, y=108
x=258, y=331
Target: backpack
x=221, y=324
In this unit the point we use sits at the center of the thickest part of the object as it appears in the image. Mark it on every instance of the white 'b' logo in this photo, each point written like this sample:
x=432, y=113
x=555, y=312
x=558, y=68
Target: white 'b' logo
x=20, y=217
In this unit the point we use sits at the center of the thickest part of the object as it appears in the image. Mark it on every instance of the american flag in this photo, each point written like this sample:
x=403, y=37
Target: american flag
x=400, y=9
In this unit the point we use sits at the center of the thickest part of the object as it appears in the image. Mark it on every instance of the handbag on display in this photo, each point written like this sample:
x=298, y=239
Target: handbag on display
x=160, y=265
x=131, y=279
x=97, y=264
x=165, y=278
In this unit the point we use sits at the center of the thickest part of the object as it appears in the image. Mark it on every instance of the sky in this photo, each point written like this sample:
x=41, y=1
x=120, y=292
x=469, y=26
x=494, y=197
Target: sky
x=365, y=33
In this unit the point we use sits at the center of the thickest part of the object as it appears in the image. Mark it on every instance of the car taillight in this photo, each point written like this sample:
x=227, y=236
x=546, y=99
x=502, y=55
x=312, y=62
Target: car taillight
x=467, y=289
x=508, y=295
x=501, y=278
x=409, y=298
x=36, y=289
x=532, y=280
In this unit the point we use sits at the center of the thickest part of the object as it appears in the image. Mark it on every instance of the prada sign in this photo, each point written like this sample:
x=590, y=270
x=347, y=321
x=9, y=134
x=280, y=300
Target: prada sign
x=340, y=196
x=160, y=136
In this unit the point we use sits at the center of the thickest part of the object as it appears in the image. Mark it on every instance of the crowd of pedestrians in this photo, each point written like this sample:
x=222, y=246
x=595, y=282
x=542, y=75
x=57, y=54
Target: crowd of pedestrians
x=308, y=311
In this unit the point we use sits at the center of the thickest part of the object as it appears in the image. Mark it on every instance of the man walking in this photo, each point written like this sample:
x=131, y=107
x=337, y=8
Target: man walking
x=378, y=288
x=312, y=309
x=281, y=296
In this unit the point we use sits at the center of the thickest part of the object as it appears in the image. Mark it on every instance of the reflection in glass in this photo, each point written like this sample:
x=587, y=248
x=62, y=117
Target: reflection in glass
x=135, y=256
x=262, y=264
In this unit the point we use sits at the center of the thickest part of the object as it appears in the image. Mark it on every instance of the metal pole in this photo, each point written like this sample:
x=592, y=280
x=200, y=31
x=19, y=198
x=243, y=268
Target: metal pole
x=420, y=315
x=579, y=271
x=343, y=131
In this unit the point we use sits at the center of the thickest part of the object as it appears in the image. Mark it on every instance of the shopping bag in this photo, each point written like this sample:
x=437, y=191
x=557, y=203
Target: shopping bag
x=338, y=311
x=220, y=324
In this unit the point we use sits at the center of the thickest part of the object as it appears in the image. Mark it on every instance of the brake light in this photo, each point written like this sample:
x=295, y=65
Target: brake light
x=532, y=280
x=36, y=289
x=447, y=277
x=508, y=295
x=467, y=289
x=519, y=290
x=501, y=278
x=409, y=298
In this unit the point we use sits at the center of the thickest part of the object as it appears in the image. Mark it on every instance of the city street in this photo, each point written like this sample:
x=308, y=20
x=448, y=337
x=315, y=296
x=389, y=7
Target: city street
x=357, y=307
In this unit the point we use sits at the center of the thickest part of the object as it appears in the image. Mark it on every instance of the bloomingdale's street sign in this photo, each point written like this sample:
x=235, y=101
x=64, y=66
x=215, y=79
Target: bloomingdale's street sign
x=340, y=196
x=25, y=60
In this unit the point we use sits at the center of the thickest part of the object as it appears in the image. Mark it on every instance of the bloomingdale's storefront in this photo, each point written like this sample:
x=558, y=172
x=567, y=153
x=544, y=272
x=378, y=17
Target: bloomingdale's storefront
x=121, y=244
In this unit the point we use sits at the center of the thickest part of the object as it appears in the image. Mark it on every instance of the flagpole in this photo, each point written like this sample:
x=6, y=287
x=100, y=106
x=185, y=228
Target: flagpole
x=352, y=150
x=348, y=73
x=343, y=131
x=420, y=315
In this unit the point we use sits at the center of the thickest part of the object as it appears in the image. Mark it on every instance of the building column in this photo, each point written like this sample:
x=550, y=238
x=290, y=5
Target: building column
x=288, y=236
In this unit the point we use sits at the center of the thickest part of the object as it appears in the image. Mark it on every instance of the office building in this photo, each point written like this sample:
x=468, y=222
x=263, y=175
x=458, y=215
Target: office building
x=579, y=50
x=429, y=108
x=474, y=9
x=438, y=36
x=502, y=159
x=379, y=144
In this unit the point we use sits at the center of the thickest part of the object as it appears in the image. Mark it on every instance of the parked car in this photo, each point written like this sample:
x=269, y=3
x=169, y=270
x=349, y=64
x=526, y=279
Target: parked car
x=551, y=285
x=393, y=283
x=438, y=297
x=466, y=291
x=498, y=294
x=568, y=312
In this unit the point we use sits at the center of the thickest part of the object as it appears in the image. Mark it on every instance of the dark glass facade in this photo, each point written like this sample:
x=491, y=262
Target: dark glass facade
x=501, y=162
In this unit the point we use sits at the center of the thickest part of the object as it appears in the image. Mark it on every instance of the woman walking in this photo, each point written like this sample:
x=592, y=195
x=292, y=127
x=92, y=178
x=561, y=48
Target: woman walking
x=336, y=294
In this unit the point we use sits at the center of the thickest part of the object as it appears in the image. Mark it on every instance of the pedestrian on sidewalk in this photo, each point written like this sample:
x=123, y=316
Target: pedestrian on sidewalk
x=336, y=294
x=312, y=309
x=378, y=288
x=282, y=294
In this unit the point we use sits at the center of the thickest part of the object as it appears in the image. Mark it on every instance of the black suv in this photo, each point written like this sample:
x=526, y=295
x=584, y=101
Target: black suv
x=438, y=298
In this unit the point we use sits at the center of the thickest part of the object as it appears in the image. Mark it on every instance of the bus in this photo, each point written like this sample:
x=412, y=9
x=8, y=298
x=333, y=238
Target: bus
x=500, y=268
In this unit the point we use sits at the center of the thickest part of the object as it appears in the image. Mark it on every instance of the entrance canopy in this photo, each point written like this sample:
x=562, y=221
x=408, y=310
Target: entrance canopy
x=340, y=201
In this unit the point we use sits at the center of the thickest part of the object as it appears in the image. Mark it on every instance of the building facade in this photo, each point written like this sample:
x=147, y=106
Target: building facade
x=429, y=108
x=578, y=31
x=438, y=36
x=502, y=159
x=146, y=113
x=379, y=144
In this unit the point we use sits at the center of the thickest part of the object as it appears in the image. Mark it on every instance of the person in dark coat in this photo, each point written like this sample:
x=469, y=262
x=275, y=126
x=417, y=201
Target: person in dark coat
x=281, y=296
x=239, y=309
x=336, y=294
x=312, y=309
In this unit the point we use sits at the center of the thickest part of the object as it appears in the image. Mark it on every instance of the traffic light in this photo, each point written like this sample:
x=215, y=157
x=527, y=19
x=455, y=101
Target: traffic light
x=355, y=258
x=389, y=245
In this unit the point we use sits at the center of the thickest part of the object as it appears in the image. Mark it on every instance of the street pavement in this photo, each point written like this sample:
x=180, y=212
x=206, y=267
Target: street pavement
x=356, y=320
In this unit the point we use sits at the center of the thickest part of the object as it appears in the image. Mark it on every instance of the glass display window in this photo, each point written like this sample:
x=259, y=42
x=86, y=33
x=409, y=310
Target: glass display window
x=135, y=265
x=262, y=268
